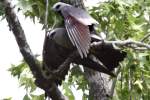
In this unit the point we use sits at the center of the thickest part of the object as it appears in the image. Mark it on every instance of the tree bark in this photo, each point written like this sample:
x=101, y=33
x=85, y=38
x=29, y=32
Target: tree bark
x=98, y=83
x=47, y=85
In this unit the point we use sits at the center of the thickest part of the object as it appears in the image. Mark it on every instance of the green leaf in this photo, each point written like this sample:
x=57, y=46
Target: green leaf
x=67, y=91
x=28, y=83
x=139, y=83
x=38, y=97
x=8, y=98
x=26, y=97
x=17, y=70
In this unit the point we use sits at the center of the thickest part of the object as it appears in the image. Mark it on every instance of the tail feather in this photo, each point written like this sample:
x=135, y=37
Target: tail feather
x=109, y=56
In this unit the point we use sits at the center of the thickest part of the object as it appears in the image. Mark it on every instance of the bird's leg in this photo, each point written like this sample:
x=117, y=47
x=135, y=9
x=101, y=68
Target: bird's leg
x=66, y=64
x=58, y=73
x=49, y=74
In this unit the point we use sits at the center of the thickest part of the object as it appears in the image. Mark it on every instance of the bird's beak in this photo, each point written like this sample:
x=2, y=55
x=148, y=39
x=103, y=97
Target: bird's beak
x=53, y=8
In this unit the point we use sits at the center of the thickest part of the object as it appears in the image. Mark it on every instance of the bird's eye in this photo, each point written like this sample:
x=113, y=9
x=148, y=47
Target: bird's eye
x=51, y=35
x=58, y=6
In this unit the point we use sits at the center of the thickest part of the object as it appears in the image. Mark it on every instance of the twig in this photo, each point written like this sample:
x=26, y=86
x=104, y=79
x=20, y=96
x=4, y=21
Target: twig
x=46, y=16
x=114, y=82
x=145, y=37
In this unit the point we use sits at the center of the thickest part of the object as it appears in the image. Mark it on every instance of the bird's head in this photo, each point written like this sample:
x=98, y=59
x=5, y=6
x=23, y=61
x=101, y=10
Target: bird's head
x=58, y=6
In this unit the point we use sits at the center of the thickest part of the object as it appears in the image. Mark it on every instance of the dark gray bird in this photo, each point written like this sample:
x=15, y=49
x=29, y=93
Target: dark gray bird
x=78, y=24
x=58, y=47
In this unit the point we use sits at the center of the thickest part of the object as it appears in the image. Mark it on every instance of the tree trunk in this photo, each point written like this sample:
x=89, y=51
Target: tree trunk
x=99, y=85
x=98, y=82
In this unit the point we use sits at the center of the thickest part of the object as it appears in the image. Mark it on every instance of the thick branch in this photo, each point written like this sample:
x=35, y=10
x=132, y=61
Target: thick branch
x=18, y=32
x=98, y=84
x=14, y=24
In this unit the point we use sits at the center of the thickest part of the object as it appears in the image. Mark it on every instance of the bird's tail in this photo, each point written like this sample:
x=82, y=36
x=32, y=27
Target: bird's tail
x=109, y=56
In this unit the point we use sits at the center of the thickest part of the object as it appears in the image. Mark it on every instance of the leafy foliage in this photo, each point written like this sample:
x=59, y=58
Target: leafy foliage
x=128, y=19
x=26, y=80
x=77, y=80
x=119, y=19
x=2, y=11
x=36, y=9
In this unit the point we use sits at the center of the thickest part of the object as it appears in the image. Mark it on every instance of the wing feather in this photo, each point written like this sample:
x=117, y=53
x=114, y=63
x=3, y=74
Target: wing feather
x=79, y=35
x=81, y=43
x=77, y=41
x=72, y=38
x=84, y=39
x=68, y=31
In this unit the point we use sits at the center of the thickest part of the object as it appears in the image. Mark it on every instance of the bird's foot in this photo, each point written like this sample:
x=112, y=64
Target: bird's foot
x=53, y=74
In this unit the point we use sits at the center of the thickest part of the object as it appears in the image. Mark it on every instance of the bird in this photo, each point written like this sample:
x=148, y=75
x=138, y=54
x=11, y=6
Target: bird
x=57, y=47
x=78, y=24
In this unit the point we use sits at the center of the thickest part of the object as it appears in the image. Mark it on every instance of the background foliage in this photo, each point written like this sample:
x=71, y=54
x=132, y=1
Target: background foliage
x=119, y=19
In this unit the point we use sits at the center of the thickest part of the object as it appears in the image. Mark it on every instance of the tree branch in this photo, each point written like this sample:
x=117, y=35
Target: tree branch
x=136, y=45
x=145, y=37
x=126, y=43
x=14, y=24
x=97, y=83
x=46, y=16
x=47, y=84
x=114, y=82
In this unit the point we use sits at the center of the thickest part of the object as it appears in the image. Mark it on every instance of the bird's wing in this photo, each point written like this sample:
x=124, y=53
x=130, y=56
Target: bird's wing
x=80, y=15
x=79, y=35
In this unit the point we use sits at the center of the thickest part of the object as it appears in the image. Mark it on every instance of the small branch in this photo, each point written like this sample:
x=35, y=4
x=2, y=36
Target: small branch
x=145, y=37
x=114, y=82
x=46, y=16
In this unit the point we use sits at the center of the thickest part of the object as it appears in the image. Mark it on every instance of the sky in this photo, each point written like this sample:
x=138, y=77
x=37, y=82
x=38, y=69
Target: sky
x=10, y=54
